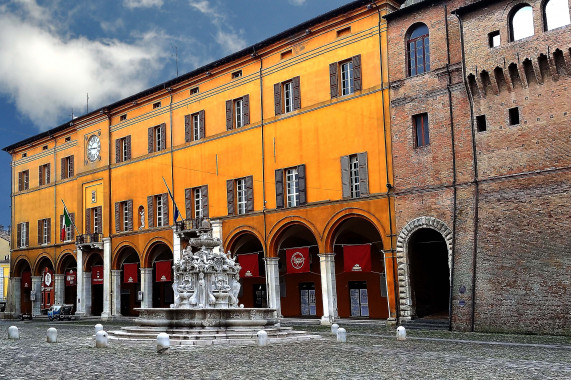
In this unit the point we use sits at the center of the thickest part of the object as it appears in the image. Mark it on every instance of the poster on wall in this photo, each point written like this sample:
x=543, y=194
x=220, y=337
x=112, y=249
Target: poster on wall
x=97, y=275
x=163, y=271
x=249, y=264
x=297, y=260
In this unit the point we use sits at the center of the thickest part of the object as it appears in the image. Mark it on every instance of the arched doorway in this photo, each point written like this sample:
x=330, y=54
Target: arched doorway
x=429, y=273
x=45, y=269
x=160, y=258
x=23, y=270
x=360, y=270
x=129, y=263
x=300, y=280
x=250, y=252
x=94, y=287
x=68, y=267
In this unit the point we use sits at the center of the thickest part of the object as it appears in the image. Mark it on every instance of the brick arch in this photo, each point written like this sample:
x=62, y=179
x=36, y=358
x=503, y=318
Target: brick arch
x=238, y=232
x=278, y=228
x=20, y=260
x=64, y=254
x=406, y=310
x=151, y=244
x=36, y=269
x=338, y=218
x=119, y=251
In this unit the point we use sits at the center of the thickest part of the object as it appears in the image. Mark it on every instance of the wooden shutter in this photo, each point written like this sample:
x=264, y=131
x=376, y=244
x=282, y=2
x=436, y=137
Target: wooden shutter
x=19, y=235
x=249, y=193
x=150, y=136
x=363, y=174
x=72, y=215
x=40, y=225
x=117, y=150
x=278, y=98
x=48, y=173
x=21, y=181
x=129, y=205
x=71, y=166
x=88, y=221
x=296, y=93
x=27, y=180
x=204, y=194
x=99, y=212
x=49, y=222
x=279, y=188
x=230, y=196
x=63, y=169
x=357, y=73
x=163, y=128
x=188, y=203
x=246, y=107
x=187, y=129
x=202, y=125
x=27, y=234
x=345, y=177
x=229, y=119
x=117, y=216
x=128, y=144
x=165, y=197
x=301, y=184
x=40, y=176
x=333, y=80
x=150, y=211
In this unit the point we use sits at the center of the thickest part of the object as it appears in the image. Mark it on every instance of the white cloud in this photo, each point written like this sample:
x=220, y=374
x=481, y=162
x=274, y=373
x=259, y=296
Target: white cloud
x=142, y=3
x=45, y=74
x=297, y=2
x=230, y=41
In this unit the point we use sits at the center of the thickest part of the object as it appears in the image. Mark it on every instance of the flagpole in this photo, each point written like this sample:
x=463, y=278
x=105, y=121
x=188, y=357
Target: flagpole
x=170, y=194
x=72, y=222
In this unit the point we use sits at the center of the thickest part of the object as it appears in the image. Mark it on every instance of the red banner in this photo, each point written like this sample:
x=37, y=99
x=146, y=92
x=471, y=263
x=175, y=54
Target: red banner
x=70, y=278
x=297, y=260
x=48, y=278
x=163, y=271
x=130, y=272
x=27, y=280
x=357, y=258
x=249, y=264
x=97, y=275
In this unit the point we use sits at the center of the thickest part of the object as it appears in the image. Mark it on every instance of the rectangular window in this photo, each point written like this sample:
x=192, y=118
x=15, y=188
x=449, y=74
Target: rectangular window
x=24, y=155
x=197, y=195
x=45, y=147
x=96, y=220
x=494, y=39
x=67, y=167
x=194, y=91
x=196, y=127
x=236, y=74
x=238, y=113
x=67, y=139
x=421, y=130
x=159, y=210
x=481, y=123
x=514, y=116
x=156, y=105
x=125, y=215
x=344, y=32
x=24, y=180
x=123, y=149
x=45, y=232
x=241, y=198
x=23, y=234
x=354, y=176
x=157, y=138
x=346, y=78
x=123, y=117
x=292, y=187
x=288, y=96
x=286, y=54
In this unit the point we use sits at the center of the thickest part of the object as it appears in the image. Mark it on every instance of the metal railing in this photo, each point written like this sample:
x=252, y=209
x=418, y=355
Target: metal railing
x=89, y=239
x=190, y=224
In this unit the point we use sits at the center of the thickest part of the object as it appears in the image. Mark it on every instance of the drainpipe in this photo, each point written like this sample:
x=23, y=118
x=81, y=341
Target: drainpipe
x=172, y=159
x=263, y=156
x=108, y=113
x=55, y=208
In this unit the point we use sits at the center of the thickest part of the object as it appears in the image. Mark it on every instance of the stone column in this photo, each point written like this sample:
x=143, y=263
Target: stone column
x=86, y=293
x=116, y=292
x=79, y=281
x=217, y=232
x=36, y=290
x=14, y=296
x=273, y=284
x=147, y=287
x=328, y=288
x=60, y=288
x=106, y=313
x=176, y=246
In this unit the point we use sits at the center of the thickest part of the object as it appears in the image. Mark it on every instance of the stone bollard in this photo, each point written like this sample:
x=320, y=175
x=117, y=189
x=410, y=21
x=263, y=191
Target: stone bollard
x=262, y=338
x=98, y=327
x=334, y=328
x=52, y=335
x=13, y=332
x=341, y=335
x=401, y=333
x=163, y=342
x=101, y=339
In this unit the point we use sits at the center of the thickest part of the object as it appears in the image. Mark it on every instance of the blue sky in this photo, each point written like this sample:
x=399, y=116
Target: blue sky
x=55, y=52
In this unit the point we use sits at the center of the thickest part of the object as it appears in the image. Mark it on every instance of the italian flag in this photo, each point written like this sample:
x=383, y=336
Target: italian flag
x=65, y=223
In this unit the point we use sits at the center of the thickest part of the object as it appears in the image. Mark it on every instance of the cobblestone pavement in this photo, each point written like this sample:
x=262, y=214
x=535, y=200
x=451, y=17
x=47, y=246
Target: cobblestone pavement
x=371, y=352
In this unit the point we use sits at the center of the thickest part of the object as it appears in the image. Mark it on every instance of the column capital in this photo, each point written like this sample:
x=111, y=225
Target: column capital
x=106, y=240
x=271, y=260
x=146, y=270
x=58, y=275
x=116, y=272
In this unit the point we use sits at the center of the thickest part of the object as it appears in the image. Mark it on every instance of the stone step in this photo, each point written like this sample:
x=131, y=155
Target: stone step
x=213, y=336
x=426, y=324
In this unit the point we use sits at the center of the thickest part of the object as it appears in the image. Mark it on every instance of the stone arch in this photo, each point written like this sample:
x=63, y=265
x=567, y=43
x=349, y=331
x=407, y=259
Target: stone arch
x=20, y=261
x=278, y=228
x=36, y=271
x=62, y=258
x=119, y=251
x=407, y=231
x=149, y=247
x=339, y=217
x=238, y=232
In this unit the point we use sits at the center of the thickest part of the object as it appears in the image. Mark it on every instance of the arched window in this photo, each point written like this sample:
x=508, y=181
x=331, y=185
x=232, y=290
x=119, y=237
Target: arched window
x=418, y=50
x=556, y=14
x=521, y=23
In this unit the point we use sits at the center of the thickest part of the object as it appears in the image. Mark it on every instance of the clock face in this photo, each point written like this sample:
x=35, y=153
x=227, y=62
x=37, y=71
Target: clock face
x=93, y=148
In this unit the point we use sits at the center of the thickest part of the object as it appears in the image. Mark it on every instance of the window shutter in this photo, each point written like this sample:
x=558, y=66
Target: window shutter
x=129, y=206
x=296, y=93
x=230, y=196
x=229, y=104
x=249, y=193
x=21, y=181
x=63, y=169
x=187, y=129
x=48, y=173
x=117, y=216
x=202, y=125
x=150, y=135
x=49, y=222
x=27, y=234
x=88, y=221
x=204, y=194
x=150, y=211
x=19, y=235
x=333, y=80
x=363, y=174
x=40, y=176
x=128, y=139
x=165, y=209
x=72, y=215
x=279, y=188
x=278, y=98
x=301, y=184
x=246, y=106
x=345, y=177
x=357, y=73
x=188, y=202
x=40, y=225
x=27, y=180
x=71, y=166
x=163, y=128
x=117, y=150
x=99, y=212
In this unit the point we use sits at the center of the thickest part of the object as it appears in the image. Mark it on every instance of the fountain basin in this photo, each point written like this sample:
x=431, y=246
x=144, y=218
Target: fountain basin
x=206, y=317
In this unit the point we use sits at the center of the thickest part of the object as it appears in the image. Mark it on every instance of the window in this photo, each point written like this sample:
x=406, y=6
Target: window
x=287, y=96
x=67, y=167
x=240, y=195
x=521, y=22
x=66, y=232
x=344, y=32
x=418, y=50
x=158, y=210
x=421, y=137
x=196, y=201
x=93, y=222
x=513, y=114
x=345, y=77
x=44, y=229
x=290, y=187
x=286, y=54
x=194, y=90
x=194, y=126
x=67, y=139
x=494, y=39
x=45, y=147
x=355, y=175
x=156, y=105
x=157, y=138
x=481, y=123
x=123, y=149
x=23, y=235
x=24, y=155
x=238, y=112
x=555, y=14
x=23, y=180
x=124, y=216
x=44, y=174
x=236, y=74
x=123, y=117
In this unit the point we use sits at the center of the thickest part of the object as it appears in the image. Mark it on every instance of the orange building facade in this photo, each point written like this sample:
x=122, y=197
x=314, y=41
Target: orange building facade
x=283, y=146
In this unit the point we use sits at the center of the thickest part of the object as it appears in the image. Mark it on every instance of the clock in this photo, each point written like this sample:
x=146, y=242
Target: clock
x=93, y=148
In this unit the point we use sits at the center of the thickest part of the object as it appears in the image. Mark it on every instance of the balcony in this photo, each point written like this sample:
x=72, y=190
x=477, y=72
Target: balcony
x=191, y=228
x=93, y=241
